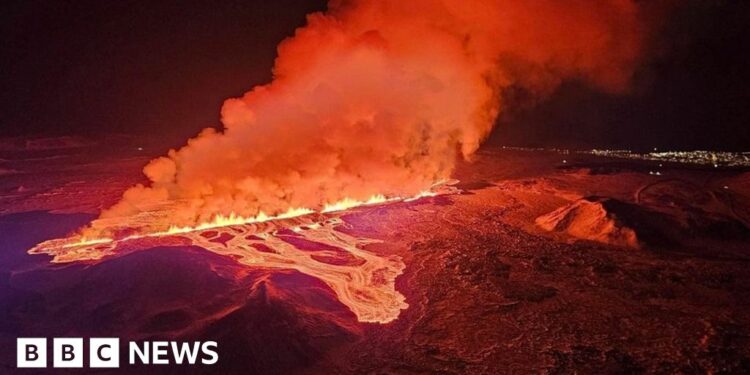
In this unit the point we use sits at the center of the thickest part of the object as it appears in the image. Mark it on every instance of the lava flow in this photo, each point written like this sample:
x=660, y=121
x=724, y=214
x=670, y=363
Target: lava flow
x=300, y=239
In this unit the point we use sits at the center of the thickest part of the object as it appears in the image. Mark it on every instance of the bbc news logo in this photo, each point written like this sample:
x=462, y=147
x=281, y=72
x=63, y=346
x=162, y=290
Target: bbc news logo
x=105, y=352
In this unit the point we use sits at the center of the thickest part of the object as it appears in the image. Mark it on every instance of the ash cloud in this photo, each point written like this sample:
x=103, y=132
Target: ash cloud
x=383, y=97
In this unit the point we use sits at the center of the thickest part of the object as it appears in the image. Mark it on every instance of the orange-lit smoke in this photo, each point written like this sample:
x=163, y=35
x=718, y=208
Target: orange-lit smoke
x=381, y=97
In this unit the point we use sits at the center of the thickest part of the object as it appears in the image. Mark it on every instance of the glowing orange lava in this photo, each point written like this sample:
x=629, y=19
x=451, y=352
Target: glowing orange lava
x=362, y=280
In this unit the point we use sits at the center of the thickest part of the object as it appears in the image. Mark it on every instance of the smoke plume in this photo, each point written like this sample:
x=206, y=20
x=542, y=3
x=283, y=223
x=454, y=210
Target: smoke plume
x=382, y=97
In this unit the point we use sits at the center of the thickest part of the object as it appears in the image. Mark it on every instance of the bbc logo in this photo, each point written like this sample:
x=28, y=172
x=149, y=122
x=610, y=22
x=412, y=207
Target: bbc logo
x=67, y=352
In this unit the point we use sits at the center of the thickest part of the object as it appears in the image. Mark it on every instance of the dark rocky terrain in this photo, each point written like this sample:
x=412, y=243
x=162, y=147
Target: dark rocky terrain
x=489, y=290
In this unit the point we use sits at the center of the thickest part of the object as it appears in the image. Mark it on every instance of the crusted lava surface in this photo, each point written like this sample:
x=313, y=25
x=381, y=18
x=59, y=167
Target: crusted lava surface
x=488, y=289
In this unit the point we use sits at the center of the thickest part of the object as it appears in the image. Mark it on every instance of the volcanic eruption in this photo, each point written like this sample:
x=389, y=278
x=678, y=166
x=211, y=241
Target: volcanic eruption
x=371, y=102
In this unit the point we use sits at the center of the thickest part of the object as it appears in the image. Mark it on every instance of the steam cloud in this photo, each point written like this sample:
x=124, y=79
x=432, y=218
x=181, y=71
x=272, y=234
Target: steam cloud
x=382, y=97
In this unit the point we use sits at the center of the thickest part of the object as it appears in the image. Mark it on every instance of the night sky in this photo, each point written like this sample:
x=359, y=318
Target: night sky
x=162, y=69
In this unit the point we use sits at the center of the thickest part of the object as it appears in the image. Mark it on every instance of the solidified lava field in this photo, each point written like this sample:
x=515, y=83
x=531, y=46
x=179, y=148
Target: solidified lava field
x=592, y=265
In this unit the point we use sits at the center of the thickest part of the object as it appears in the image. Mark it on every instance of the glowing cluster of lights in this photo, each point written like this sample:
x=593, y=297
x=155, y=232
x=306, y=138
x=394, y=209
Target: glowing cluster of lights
x=712, y=158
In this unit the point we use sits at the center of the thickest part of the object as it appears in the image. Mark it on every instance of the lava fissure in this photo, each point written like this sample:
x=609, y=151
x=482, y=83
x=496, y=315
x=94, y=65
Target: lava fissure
x=362, y=280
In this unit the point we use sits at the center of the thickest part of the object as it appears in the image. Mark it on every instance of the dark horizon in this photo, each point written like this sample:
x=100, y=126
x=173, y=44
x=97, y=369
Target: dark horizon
x=162, y=70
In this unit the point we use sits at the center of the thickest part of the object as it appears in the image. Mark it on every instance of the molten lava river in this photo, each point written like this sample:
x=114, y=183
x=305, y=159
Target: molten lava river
x=311, y=242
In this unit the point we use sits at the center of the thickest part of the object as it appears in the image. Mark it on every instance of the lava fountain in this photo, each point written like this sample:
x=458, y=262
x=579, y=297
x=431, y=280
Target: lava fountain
x=372, y=101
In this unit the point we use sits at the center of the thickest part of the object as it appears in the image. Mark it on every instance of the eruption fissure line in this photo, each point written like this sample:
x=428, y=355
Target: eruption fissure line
x=362, y=280
x=233, y=219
